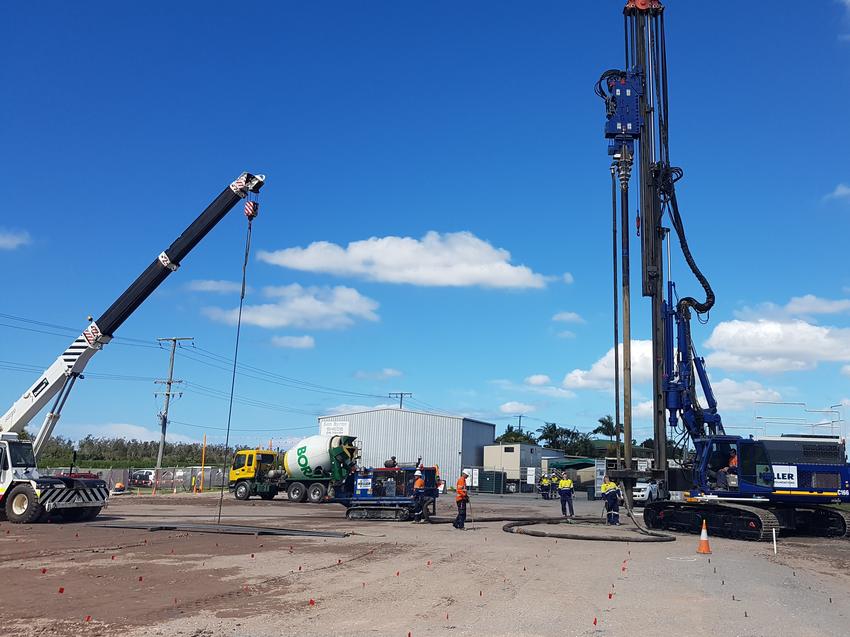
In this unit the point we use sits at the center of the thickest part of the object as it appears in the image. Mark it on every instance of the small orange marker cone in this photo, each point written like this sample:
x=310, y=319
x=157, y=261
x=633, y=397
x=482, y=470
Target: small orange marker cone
x=88, y=618
x=703, y=547
x=312, y=602
x=594, y=621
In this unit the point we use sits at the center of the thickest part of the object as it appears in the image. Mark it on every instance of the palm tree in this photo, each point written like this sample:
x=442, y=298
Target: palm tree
x=606, y=428
x=551, y=433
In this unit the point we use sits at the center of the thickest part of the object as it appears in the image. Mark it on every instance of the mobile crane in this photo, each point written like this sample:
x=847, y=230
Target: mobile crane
x=26, y=495
x=773, y=483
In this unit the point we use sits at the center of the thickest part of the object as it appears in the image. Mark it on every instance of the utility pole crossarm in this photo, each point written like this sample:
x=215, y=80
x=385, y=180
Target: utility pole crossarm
x=401, y=395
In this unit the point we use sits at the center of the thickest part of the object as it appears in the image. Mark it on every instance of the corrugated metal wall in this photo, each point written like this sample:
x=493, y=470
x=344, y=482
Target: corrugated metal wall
x=407, y=435
x=476, y=435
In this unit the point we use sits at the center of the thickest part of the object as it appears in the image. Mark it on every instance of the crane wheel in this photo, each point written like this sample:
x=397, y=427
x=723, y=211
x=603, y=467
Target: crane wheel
x=22, y=505
x=242, y=491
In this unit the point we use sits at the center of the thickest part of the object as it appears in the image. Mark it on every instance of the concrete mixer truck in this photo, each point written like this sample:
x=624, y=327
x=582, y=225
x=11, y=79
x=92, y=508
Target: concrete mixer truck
x=307, y=471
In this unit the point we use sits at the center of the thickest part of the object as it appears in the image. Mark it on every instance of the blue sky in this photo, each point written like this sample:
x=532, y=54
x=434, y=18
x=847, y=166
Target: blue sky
x=436, y=216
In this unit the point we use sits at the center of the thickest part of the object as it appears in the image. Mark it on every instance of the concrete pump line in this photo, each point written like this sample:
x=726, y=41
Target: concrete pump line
x=515, y=524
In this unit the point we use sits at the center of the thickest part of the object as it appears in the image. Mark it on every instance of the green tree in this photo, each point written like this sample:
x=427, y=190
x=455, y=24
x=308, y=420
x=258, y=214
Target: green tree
x=606, y=428
x=551, y=434
x=513, y=435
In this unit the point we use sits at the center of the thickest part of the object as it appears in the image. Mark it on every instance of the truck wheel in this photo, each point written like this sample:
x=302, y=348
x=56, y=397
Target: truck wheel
x=297, y=492
x=242, y=491
x=22, y=505
x=316, y=492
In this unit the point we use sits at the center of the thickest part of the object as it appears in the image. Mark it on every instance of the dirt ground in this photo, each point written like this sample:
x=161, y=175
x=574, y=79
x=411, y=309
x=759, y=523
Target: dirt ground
x=390, y=578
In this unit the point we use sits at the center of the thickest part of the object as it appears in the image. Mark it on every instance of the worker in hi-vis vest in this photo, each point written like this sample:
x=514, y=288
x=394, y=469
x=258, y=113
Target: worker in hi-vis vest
x=461, y=499
x=565, y=490
x=611, y=495
x=418, y=496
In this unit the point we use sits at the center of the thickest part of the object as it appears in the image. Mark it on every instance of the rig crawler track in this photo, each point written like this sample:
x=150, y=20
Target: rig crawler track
x=743, y=522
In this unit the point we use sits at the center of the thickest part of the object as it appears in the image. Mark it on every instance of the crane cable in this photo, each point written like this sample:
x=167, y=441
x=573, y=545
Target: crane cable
x=252, y=208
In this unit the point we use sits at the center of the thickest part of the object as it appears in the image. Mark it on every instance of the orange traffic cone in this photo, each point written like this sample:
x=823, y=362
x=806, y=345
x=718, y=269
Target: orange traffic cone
x=703, y=547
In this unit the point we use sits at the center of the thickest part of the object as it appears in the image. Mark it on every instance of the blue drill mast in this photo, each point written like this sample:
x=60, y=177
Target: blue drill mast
x=742, y=487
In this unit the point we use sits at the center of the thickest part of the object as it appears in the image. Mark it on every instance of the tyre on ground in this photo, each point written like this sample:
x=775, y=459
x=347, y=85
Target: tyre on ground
x=297, y=492
x=22, y=505
x=316, y=492
x=242, y=490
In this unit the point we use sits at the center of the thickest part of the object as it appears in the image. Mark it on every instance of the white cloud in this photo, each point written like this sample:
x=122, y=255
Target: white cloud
x=216, y=286
x=349, y=408
x=568, y=317
x=735, y=395
x=566, y=334
x=294, y=342
x=453, y=259
x=601, y=373
x=543, y=390
x=804, y=306
x=383, y=374
x=122, y=430
x=11, y=239
x=569, y=279
x=514, y=407
x=538, y=379
x=842, y=191
x=774, y=346
x=811, y=304
x=300, y=307
x=642, y=410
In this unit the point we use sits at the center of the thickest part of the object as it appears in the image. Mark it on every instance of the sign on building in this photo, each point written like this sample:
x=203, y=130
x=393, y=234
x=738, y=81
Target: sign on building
x=334, y=428
x=531, y=478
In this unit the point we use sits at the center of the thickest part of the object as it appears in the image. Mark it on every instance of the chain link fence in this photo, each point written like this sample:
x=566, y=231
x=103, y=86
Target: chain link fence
x=524, y=480
x=171, y=479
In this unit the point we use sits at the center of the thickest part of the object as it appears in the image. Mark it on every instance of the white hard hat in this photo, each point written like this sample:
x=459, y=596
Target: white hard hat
x=467, y=472
x=418, y=473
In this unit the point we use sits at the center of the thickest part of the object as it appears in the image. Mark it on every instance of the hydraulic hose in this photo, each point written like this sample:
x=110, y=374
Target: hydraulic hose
x=668, y=190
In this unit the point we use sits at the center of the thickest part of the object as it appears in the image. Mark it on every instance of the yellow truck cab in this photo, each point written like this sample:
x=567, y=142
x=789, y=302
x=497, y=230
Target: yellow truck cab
x=249, y=474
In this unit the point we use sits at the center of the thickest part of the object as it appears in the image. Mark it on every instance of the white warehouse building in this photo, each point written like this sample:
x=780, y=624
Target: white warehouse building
x=450, y=442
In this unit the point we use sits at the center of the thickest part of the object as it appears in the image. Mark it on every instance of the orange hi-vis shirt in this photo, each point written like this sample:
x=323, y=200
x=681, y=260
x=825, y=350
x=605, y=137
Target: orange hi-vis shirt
x=733, y=461
x=461, y=489
x=419, y=484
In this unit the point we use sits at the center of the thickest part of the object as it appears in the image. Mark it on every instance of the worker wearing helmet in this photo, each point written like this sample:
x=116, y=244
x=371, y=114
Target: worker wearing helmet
x=544, y=486
x=565, y=490
x=611, y=495
x=418, y=495
x=461, y=499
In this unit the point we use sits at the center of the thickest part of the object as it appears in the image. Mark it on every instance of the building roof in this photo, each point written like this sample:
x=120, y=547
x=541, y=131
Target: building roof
x=408, y=411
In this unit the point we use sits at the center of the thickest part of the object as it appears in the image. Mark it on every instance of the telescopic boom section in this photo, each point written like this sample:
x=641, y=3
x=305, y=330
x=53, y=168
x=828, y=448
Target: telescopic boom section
x=70, y=364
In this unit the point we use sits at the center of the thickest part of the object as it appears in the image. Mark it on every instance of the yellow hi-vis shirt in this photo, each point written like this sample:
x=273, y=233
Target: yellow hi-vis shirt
x=544, y=481
x=565, y=483
x=608, y=486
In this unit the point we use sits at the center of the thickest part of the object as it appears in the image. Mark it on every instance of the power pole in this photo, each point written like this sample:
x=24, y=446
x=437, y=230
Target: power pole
x=400, y=395
x=163, y=416
x=520, y=421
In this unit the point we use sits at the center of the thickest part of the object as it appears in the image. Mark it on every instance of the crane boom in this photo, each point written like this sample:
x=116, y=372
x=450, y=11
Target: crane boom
x=58, y=379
